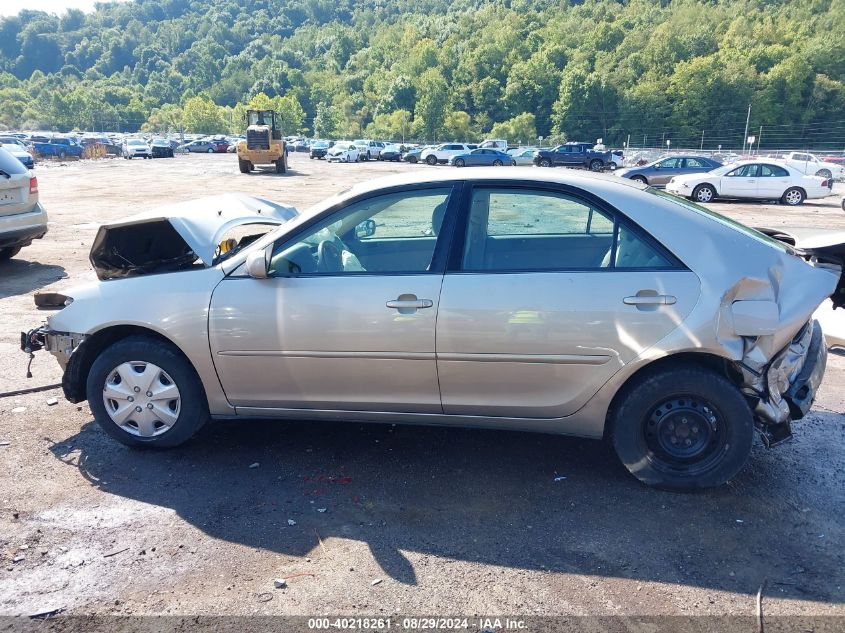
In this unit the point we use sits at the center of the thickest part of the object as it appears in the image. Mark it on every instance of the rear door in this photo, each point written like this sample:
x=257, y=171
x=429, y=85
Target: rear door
x=773, y=181
x=665, y=170
x=14, y=186
x=548, y=293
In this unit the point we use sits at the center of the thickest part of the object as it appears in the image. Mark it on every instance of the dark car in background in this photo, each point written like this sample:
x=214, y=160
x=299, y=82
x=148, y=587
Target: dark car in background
x=483, y=157
x=392, y=152
x=161, y=148
x=659, y=172
x=574, y=155
x=319, y=149
x=110, y=147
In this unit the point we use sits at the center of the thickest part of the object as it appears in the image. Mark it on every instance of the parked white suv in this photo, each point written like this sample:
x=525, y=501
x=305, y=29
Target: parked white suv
x=442, y=153
x=369, y=149
x=22, y=218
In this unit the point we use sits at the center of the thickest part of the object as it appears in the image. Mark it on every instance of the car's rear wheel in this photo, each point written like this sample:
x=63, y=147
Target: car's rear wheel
x=793, y=197
x=431, y=159
x=682, y=428
x=9, y=252
x=459, y=162
x=210, y=151
x=641, y=179
x=596, y=165
x=843, y=204
x=413, y=159
x=545, y=162
x=143, y=392
x=825, y=173
x=704, y=193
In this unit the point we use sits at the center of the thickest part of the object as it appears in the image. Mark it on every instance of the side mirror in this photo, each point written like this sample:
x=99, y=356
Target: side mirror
x=367, y=228
x=257, y=265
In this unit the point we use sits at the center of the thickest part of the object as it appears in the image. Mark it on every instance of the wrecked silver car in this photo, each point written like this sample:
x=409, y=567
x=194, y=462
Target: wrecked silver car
x=559, y=303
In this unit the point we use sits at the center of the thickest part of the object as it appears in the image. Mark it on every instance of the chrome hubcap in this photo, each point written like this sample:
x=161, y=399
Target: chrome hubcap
x=705, y=195
x=141, y=398
x=793, y=197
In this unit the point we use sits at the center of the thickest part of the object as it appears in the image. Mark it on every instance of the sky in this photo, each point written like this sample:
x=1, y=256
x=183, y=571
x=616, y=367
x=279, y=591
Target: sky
x=12, y=7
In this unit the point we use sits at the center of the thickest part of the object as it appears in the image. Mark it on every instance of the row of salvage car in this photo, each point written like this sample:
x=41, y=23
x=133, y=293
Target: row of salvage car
x=525, y=299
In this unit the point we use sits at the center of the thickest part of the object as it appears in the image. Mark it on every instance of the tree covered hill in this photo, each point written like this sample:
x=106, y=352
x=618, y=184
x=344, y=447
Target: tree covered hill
x=683, y=70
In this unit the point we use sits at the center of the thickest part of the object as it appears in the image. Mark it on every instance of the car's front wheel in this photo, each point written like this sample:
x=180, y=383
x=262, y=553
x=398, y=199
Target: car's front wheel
x=431, y=159
x=143, y=392
x=641, y=179
x=704, y=193
x=682, y=428
x=545, y=162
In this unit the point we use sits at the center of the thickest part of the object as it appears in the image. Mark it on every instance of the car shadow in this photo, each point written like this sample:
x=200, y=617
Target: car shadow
x=19, y=275
x=498, y=498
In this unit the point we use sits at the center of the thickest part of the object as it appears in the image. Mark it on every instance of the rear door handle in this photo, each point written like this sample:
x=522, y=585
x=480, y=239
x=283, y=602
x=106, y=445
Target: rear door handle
x=650, y=300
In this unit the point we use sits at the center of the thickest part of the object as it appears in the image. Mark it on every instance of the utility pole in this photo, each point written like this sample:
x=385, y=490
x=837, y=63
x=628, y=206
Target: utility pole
x=702, y=140
x=628, y=142
x=759, y=136
x=747, y=121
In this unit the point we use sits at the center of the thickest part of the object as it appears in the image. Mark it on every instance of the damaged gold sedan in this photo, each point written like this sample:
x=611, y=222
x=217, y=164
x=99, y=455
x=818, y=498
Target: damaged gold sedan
x=561, y=303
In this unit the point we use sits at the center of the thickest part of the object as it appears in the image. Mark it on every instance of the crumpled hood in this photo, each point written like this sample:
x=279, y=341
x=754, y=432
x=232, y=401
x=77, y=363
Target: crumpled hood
x=176, y=236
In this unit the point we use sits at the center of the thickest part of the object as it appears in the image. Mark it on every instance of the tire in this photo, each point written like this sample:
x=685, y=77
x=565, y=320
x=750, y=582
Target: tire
x=825, y=173
x=281, y=168
x=497, y=163
x=210, y=151
x=704, y=193
x=682, y=429
x=431, y=159
x=413, y=160
x=545, y=162
x=140, y=352
x=9, y=252
x=596, y=165
x=244, y=166
x=612, y=166
x=641, y=179
x=349, y=158
x=62, y=155
x=459, y=162
x=793, y=197
x=843, y=204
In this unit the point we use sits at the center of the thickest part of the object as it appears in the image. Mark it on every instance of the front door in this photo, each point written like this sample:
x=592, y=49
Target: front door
x=550, y=299
x=741, y=182
x=665, y=170
x=346, y=319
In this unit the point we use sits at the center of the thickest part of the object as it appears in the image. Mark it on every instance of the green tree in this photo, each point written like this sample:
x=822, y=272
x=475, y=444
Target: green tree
x=431, y=103
x=201, y=115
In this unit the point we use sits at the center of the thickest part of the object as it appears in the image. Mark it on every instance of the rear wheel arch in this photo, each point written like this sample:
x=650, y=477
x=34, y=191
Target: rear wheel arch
x=699, y=360
x=76, y=374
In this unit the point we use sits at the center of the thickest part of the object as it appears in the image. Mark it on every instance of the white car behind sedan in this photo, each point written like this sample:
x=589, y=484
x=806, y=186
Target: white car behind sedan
x=761, y=180
x=343, y=152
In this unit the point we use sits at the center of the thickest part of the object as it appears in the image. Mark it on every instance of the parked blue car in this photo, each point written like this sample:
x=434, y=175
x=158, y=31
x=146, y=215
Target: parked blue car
x=482, y=158
x=56, y=146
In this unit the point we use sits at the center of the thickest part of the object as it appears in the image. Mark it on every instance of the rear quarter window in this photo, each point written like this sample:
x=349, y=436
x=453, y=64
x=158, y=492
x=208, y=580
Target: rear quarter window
x=10, y=164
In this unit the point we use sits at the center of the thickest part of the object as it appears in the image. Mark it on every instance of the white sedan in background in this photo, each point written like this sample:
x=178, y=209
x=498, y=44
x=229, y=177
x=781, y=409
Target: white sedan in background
x=761, y=180
x=343, y=152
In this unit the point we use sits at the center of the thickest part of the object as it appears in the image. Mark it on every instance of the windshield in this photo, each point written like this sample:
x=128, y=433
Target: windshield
x=135, y=142
x=721, y=219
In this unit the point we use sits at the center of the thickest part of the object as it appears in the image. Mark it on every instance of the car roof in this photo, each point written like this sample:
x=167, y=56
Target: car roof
x=594, y=182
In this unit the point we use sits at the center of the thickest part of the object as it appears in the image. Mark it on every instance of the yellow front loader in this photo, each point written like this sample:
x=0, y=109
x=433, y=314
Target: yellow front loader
x=263, y=144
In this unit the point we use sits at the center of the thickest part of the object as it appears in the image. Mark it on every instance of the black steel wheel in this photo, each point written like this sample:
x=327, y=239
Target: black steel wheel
x=682, y=428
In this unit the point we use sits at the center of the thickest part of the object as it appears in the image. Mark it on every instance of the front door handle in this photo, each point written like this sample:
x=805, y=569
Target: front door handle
x=408, y=304
x=417, y=304
x=650, y=300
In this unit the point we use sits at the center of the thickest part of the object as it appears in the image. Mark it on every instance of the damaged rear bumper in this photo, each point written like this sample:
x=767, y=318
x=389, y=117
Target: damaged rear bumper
x=784, y=389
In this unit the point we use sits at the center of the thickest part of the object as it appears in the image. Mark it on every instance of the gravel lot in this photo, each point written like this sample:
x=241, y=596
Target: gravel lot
x=451, y=521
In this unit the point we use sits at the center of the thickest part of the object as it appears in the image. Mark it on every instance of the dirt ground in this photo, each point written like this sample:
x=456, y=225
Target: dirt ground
x=450, y=521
